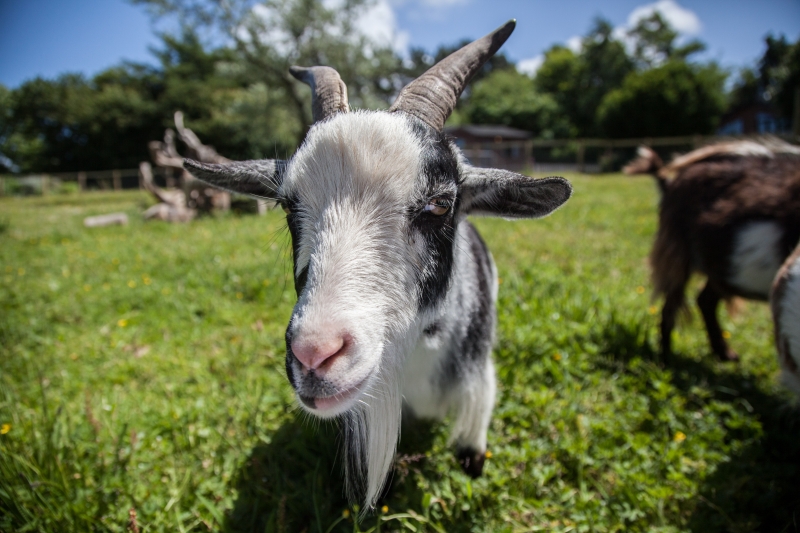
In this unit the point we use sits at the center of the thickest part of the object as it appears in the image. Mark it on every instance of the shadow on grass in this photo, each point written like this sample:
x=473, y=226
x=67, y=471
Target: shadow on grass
x=295, y=483
x=758, y=489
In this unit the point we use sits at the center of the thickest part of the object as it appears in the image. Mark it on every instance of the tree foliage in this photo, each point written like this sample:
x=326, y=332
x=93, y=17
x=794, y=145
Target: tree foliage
x=674, y=99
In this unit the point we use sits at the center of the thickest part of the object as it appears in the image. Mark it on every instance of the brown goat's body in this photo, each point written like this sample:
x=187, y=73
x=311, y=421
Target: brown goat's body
x=714, y=209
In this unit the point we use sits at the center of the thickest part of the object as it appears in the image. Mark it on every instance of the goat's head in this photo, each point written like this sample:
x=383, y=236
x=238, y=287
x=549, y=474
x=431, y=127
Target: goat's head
x=373, y=203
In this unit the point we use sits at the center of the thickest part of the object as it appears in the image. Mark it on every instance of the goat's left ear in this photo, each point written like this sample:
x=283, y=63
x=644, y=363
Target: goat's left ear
x=259, y=178
x=502, y=193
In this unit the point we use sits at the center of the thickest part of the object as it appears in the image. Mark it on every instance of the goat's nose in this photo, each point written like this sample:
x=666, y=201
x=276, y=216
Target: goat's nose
x=312, y=354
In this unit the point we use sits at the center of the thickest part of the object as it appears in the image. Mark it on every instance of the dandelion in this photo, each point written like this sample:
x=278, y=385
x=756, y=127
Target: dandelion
x=131, y=284
x=680, y=436
x=122, y=322
x=726, y=334
x=239, y=295
x=652, y=309
x=639, y=290
x=556, y=356
x=488, y=454
x=146, y=280
x=385, y=509
x=5, y=428
x=346, y=513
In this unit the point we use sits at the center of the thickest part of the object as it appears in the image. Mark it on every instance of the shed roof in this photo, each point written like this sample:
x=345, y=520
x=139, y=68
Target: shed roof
x=487, y=131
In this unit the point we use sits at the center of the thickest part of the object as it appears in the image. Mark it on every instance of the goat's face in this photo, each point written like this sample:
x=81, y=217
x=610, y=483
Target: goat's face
x=371, y=201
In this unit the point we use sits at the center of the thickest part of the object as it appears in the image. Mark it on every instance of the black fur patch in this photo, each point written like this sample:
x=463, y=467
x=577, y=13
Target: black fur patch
x=477, y=342
x=439, y=172
x=294, y=230
x=471, y=461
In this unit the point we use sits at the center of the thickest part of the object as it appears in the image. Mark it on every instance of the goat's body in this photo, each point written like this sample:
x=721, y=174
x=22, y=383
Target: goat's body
x=785, y=303
x=450, y=369
x=732, y=217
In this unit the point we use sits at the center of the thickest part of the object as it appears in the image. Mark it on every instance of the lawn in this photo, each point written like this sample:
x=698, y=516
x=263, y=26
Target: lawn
x=142, y=372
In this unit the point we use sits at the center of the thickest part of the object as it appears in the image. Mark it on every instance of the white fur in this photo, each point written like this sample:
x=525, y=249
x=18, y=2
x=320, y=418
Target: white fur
x=788, y=322
x=756, y=257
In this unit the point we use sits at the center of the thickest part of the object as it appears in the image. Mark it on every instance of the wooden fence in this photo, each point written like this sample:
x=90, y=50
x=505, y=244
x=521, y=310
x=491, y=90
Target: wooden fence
x=543, y=156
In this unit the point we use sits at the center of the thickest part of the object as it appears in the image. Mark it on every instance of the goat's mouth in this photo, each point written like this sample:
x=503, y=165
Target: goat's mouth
x=335, y=403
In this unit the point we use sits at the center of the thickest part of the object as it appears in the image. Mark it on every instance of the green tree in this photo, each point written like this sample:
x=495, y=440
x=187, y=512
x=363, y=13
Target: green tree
x=579, y=81
x=674, y=99
x=273, y=35
x=507, y=97
x=655, y=42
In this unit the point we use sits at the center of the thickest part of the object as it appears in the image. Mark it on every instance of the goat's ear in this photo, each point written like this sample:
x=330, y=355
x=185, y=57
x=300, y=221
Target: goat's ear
x=502, y=193
x=260, y=178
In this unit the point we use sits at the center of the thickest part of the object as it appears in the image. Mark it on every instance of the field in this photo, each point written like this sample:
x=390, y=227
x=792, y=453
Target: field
x=141, y=372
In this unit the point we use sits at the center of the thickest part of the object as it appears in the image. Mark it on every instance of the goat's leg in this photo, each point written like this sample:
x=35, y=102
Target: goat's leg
x=707, y=301
x=473, y=401
x=672, y=303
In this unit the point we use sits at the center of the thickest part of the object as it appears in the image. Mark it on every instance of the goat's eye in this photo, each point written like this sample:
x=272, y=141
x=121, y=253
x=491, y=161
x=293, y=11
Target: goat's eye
x=437, y=206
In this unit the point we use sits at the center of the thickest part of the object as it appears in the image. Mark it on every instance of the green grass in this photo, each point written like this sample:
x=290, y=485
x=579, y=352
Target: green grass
x=141, y=367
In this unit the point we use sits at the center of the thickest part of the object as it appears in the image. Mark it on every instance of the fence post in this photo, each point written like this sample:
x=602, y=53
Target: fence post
x=116, y=177
x=82, y=181
x=581, y=153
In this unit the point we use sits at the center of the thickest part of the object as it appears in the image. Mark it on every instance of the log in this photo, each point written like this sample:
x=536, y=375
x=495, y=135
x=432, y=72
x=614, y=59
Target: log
x=110, y=219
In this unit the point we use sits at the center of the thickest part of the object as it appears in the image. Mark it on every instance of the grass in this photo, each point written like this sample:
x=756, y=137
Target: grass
x=141, y=369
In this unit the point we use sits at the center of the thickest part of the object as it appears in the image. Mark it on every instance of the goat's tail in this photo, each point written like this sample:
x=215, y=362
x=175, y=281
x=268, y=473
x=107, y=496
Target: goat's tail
x=670, y=261
x=647, y=162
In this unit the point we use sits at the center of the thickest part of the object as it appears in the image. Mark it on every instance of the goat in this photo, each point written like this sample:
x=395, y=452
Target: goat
x=785, y=304
x=730, y=211
x=395, y=288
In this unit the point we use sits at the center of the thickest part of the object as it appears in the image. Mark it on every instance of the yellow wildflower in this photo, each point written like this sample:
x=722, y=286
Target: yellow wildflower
x=239, y=295
x=5, y=428
x=385, y=509
x=346, y=513
x=147, y=280
x=131, y=284
x=726, y=334
x=652, y=309
x=556, y=356
x=488, y=454
x=680, y=436
x=87, y=288
x=21, y=271
x=122, y=322
x=639, y=290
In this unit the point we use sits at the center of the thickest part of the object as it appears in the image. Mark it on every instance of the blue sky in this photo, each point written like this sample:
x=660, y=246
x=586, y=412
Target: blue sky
x=49, y=37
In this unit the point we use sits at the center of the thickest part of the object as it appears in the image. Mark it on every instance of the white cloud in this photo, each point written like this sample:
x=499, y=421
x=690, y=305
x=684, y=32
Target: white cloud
x=575, y=43
x=685, y=21
x=378, y=23
x=530, y=66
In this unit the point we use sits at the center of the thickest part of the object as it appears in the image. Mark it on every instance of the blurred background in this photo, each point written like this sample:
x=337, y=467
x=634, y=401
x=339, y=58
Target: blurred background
x=87, y=84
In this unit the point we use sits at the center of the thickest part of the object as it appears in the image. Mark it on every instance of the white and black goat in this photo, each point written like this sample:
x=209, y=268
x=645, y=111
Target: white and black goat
x=785, y=303
x=395, y=288
x=730, y=211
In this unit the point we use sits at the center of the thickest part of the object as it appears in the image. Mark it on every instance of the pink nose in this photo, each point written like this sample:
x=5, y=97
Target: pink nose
x=313, y=354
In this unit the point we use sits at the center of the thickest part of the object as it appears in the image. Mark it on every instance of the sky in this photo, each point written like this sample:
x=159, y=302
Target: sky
x=49, y=37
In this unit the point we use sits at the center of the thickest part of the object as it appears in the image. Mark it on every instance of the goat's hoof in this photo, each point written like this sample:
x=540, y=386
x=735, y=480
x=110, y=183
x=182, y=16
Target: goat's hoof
x=471, y=461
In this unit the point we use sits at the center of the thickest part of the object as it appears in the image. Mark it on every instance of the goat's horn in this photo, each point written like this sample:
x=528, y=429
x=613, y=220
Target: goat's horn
x=328, y=91
x=433, y=96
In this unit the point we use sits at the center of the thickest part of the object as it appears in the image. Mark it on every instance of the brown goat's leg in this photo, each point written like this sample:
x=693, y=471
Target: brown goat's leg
x=707, y=301
x=671, y=305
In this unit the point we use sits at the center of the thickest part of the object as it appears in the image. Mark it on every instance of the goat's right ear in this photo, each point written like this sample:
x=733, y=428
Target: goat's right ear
x=258, y=178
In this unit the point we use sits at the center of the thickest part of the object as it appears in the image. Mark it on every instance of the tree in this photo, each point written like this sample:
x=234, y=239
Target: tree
x=273, y=35
x=674, y=99
x=507, y=97
x=579, y=81
x=655, y=42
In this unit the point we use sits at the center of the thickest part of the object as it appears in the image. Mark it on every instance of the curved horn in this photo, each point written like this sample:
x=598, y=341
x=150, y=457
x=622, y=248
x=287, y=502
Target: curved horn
x=328, y=91
x=433, y=96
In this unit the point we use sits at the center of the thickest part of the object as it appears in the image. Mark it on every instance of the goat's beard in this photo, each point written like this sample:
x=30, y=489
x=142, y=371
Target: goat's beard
x=371, y=430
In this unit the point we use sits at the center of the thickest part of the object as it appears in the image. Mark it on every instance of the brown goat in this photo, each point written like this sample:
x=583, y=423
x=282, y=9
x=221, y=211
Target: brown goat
x=730, y=211
x=785, y=303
